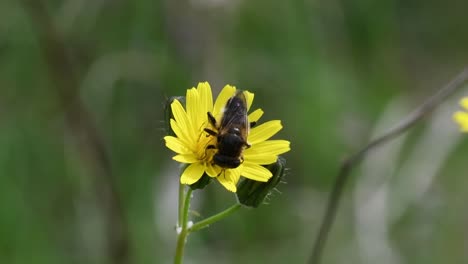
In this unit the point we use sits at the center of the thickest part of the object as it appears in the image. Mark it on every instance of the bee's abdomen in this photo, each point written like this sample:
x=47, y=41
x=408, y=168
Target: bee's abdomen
x=226, y=161
x=230, y=147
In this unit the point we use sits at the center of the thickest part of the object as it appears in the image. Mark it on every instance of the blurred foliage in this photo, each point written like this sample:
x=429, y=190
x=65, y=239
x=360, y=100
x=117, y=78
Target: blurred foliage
x=327, y=69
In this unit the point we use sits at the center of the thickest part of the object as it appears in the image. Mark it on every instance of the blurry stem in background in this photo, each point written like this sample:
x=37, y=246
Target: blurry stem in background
x=81, y=125
x=347, y=165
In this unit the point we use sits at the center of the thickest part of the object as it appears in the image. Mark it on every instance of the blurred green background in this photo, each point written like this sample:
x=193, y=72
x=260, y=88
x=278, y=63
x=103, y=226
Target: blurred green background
x=85, y=176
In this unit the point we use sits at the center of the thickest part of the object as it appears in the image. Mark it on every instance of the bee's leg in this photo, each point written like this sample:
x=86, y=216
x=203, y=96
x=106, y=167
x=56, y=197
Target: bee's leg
x=208, y=147
x=222, y=172
x=252, y=124
x=211, y=132
x=211, y=118
x=246, y=144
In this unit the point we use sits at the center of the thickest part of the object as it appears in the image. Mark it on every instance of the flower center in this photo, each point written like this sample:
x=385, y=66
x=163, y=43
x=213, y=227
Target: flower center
x=206, y=147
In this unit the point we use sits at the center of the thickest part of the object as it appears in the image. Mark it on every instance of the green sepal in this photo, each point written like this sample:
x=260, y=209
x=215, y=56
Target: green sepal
x=168, y=112
x=202, y=182
x=252, y=193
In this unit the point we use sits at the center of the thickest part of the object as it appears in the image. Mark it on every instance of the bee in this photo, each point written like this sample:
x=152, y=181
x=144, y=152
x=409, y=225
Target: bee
x=233, y=130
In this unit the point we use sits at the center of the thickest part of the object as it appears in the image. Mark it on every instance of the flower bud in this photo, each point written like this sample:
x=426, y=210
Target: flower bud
x=252, y=193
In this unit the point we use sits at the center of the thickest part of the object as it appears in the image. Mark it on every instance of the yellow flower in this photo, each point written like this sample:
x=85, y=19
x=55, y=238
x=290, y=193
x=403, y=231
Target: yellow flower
x=461, y=117
x=191, y=141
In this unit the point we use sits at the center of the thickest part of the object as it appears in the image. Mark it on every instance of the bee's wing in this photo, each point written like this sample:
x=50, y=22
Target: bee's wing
x=235, y=115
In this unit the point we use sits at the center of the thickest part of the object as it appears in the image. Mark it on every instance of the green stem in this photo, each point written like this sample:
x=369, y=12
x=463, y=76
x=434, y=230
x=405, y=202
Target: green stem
x=188, y=196
x=181, y=205
x=214, y=218
x=182, y=230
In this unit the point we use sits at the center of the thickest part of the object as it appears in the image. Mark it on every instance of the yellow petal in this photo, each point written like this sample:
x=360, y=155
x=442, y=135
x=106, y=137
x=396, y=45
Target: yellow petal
x=264, y=131
x=192, y=173
x=227, y=92
x=192, y=103
x=269, y=147
x=462, y=119
x=181, y=134
x=213, y=170
x=206, y=98
x=176, y=145
x=186, y=158
x=255, y=172
x=260, y=158
x=181, y=117
x=227, y=182
x=255, y=115
x=234, y=175
x=249, y=97
x=464, y=102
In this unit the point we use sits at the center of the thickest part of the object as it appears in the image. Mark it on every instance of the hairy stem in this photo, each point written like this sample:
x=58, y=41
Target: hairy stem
x=214, y=218
x=182, y=230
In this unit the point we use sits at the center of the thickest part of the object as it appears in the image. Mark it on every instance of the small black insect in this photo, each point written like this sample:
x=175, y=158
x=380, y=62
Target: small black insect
x=232, y=132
